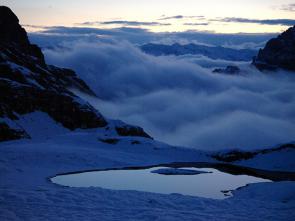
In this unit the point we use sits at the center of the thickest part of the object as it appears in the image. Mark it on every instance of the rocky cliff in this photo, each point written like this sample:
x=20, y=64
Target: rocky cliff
x=278, y=53
x=28, y=84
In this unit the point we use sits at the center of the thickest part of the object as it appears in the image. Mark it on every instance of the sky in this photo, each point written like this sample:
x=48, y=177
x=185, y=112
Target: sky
x=227, y=16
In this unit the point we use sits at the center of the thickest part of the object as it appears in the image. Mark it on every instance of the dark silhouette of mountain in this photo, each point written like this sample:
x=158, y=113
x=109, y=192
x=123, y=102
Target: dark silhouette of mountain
x=278, y=52
x=194, y=49
x=28, y=84
x=232, y=70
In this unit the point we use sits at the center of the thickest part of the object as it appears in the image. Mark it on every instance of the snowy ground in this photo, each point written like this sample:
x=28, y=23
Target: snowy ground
x=27, y=194
x=277, y=161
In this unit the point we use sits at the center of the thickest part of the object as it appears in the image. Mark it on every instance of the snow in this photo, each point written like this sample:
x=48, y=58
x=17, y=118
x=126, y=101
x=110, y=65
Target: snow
x=40, y=125
x=278, y=192
x=12, y=124
x=26, y=73
x=27, y=194
x=282, y=160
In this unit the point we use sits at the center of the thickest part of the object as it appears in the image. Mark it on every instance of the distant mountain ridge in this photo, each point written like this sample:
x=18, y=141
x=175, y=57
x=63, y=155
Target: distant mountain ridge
x=214, y=52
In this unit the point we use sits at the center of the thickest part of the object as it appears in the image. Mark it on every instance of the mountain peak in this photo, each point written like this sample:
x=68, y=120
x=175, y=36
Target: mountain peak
x=10, y=29
x=14, y=38
x=278, y=52
x=7, y=13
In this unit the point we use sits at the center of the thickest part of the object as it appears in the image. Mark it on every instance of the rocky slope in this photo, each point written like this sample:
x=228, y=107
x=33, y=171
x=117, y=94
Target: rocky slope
x=278, y=53
x=28, y=84
x=237, y=155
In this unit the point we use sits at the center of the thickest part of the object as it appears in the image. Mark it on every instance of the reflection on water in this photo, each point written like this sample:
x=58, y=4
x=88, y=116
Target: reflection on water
x=210, y=185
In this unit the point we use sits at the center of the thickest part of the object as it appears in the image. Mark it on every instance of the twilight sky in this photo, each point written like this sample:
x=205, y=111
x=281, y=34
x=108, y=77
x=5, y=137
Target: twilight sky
x=226, y=16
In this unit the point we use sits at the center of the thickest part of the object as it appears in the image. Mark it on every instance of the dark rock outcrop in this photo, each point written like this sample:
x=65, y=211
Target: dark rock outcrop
x=278, y=53
x=231, y=70
x=238, y=155
x=7, y=133
x=132, y=131
x=28, y=84
x=110, y=140
x=12, y=35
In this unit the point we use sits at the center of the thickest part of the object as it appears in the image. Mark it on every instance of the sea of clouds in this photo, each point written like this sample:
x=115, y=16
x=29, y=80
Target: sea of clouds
x=179, y=100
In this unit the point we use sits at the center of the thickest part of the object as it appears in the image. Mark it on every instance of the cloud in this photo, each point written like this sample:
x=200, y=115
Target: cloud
x=246, y=45
x=197, y=24
x=289, y=7
x=35, y=26
x=181, y=103
x=206, y=62
x=286, y=22
x=54, y=36
x=126, y=23
x=181, y=17
x=172, y=17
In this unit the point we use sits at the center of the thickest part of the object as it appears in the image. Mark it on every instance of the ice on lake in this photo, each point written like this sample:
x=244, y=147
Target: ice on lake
x=206, y=182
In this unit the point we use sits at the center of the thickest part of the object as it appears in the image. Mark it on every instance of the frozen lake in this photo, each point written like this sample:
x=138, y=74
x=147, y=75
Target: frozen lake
x=211, y=184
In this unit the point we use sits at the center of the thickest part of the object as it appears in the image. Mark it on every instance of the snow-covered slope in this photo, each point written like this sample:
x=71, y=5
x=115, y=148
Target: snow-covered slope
x=27, y=194
x=278, y=158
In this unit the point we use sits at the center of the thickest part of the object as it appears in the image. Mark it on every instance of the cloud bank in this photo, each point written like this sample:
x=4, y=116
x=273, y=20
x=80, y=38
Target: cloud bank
x=286, y=22
x=181, y=103
x=200, y=17
x=289, y=7
x=125, y=23
x=197, y=24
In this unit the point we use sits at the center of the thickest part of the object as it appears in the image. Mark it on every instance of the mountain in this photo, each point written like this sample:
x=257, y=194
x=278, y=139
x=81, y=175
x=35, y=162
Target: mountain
x=217, y=52
x=29, y=85
x=230, y=69
x=278, y=52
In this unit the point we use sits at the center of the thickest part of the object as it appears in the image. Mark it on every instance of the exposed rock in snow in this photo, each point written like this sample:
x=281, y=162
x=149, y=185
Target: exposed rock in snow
x=235, y=155
x=279, y=158
x=9, y=133
x=278, y=53
x=110, y=140
x=177, y=171
x=127, y=130
x=228, y=70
